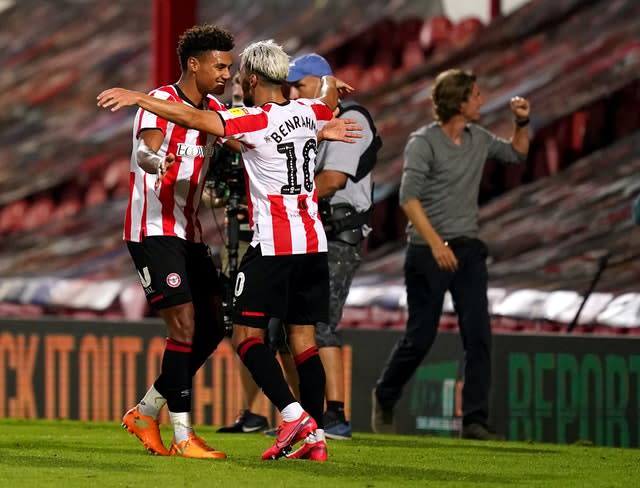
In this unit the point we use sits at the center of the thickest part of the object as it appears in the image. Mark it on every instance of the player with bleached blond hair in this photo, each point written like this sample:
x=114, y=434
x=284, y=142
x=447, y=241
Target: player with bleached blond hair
x=266, y=58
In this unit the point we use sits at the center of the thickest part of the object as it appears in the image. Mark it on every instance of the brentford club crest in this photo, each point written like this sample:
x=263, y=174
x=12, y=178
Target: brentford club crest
x=173, y=280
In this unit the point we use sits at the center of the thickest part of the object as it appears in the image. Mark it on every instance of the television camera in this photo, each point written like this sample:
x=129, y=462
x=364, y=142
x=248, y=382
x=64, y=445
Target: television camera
x=226, y=182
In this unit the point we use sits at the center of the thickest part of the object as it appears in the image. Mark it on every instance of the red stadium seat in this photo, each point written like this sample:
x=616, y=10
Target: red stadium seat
x=578, y=128
x=435, y=32
x=96, y=194
x=386, y=55
x=70, y=205
x=12, y=216
x=552, y=154
x=533, y=45
x=412, y=56
x=39, y=212
x=376, y=75
x=95, y=163
x=116, y=172
x=448, y=322
x=408, y=30
x=355, y=317
x=116, y=177
x=350, y=73
x=464, y=31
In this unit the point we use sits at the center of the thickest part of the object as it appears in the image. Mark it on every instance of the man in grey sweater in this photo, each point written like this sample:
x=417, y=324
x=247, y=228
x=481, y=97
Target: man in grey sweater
x=443, y=165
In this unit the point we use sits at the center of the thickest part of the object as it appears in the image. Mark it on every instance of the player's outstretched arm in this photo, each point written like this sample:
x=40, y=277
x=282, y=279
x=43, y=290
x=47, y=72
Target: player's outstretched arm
x=178, y=113
x=343, y=130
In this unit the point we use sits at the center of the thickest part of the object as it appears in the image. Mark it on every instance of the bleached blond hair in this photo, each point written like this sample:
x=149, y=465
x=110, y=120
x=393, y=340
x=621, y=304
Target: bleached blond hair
x=266, y=58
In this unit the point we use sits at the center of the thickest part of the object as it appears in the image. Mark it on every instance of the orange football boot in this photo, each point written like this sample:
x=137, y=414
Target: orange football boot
x=145, y=428
x=195, y=447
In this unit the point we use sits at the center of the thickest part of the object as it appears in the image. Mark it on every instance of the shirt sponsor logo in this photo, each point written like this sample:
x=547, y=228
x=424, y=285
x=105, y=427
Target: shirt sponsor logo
x=191, y=150
x=238, y=111
x=174, y=280
x=294, y=214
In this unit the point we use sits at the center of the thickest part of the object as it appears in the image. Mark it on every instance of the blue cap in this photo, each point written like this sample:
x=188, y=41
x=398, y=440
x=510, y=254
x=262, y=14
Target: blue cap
x=308, y=65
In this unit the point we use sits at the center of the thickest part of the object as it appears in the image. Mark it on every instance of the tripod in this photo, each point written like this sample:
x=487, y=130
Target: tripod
x=233, y=236
x=232, y=210
x=603, y=260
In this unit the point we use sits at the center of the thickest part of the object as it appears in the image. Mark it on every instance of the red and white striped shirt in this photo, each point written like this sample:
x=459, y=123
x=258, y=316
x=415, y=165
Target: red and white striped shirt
x=279, y=151
x=173, y=209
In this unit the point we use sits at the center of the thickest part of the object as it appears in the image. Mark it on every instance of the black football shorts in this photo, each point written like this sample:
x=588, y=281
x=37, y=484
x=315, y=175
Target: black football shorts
x=174, y=271
x=292, y=288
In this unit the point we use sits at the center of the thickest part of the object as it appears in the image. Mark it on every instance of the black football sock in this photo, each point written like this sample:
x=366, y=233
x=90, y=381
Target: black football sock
x=175, y=378
x=266, y=371
x=336, y=410
x=312, y=383
x=208, y=332
x=204, y=343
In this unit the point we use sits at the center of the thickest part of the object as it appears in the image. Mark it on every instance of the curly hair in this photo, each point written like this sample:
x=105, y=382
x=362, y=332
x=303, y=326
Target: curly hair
x=451, y=89
x=202, y=38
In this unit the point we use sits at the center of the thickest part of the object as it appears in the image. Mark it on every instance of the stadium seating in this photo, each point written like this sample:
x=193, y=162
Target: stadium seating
x=64, y=164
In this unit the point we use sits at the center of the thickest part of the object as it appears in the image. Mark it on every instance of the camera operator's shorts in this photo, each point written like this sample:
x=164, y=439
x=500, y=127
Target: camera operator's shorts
x=344, y=260
x=293, y=288
x=174, y=271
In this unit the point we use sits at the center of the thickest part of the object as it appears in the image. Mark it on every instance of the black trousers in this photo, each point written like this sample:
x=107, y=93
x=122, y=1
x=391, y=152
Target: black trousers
x=426, y=285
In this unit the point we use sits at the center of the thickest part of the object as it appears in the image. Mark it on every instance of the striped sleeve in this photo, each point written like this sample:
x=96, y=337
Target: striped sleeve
x=244, y=123
x=320, y=109
x=214, y=104
x=148, y=120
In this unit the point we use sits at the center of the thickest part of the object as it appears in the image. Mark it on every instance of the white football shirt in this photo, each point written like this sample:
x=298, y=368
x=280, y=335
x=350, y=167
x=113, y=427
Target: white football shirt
x=172, y=210
x=279, y=150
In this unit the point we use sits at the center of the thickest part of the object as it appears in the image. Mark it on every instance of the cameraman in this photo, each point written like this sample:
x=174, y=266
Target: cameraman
x=343, y=180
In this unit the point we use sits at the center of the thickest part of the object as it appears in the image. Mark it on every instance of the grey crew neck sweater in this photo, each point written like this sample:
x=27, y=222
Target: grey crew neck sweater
x=445, y=177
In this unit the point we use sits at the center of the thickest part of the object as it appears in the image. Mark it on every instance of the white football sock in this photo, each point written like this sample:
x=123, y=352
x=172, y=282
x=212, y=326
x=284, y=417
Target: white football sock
x=151, y=403
x=291, y=412
x=181, y=422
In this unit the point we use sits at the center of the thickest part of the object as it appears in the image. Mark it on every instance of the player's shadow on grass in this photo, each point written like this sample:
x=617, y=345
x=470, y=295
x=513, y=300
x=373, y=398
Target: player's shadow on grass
x=46, y=460
x=70, y=447
x=484, y=446
x=376, y=472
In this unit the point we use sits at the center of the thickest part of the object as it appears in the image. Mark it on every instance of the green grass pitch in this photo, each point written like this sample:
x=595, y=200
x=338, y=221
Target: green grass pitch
x=38, y=453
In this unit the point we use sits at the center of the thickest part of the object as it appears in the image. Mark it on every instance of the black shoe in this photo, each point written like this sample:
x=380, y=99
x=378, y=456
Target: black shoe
x=336, y=427
x=246, y=422
x=480, y=432
x=382, y=421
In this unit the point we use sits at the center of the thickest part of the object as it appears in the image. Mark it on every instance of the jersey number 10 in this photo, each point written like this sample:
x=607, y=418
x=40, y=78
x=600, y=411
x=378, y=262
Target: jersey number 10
x=293, y=188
